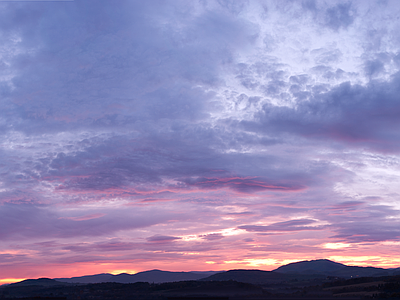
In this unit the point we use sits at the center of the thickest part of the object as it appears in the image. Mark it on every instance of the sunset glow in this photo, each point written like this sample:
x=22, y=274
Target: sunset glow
x=10, y=280
x=197, y=135
x=116, y=272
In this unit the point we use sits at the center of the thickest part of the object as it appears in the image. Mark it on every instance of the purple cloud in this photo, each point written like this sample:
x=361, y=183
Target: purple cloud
x=293, y=225
x=19, y=221
x=244, y=185
x=162, y=238
x=352, y=114
x=212, y=236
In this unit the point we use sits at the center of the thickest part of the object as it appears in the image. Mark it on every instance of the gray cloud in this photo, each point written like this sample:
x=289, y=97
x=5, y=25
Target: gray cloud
x=21, y=221
x=294, y=225
x=162, y=238
x=340, y=15
x=352, y=114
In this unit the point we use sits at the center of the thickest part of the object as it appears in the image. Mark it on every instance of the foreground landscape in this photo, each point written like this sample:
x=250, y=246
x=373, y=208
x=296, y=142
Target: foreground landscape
x=322, y=279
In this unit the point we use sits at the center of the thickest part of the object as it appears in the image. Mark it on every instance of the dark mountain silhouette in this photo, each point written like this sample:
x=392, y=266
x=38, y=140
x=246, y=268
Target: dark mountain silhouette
x=395, y=271
x=182, y=290
x=45, y=282
x=153, y=276
x=208, y=273
x=331, y=268
x=301, y=271
x=247, y=276
x=387, y=287
x=319, y=266
x=105, y=277
x=321, y=279
x=261, y=277
x=350, y=271
x=157, y=276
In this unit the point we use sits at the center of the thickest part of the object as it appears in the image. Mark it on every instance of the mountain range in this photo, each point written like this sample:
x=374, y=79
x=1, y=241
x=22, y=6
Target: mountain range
x=152, y=276
x=299, y=271
x=330, y=268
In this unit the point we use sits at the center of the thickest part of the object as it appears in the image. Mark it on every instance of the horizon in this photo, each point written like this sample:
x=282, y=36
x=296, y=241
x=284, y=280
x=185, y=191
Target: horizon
x=205, y=134
x=14, y=280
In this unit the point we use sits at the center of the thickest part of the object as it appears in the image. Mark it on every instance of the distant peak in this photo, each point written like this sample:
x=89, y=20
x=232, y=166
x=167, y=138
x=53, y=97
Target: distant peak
x=39, y=281
x=310, y=266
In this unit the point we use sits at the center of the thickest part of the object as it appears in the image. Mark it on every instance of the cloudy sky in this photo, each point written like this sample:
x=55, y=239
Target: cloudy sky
x=197, y=135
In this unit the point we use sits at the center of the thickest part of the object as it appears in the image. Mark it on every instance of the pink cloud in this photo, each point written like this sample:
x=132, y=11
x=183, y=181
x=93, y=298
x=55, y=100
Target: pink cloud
x=243, y=184
x=85, y=217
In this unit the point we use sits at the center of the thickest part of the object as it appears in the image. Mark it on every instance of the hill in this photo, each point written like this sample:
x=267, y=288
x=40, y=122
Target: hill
x=300, y=271
x=157, y=276
x=320, y=266
x=98, y=278
x=43, y=282
x=387, y=287
x=152, y=276
x=330, y=268
x=303, y=272
x=248, y=276
x=352, y=271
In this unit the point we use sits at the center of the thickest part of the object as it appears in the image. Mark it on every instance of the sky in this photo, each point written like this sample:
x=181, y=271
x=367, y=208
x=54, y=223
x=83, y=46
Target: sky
x=197, y=135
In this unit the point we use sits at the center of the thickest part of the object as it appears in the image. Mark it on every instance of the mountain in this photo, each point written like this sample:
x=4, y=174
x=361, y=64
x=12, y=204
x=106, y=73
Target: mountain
x=301, y=271
x=319, y=266
x=208, y=273
x=99, y=278
x=330, y=268
x=352, y=271
x=46, y=282
x=387, y=287
x=156, y=276
x=249, y=276
x=194, y=290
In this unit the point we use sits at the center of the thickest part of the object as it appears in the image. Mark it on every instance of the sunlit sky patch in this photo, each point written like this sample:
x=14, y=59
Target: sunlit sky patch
x=197, y=135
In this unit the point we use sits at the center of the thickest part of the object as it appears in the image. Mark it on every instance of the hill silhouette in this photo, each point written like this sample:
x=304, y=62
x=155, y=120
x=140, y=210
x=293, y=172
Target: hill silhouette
x=319, y=266
x=45, y=282
x=303, y=270
x=353, y=271
x=330, y=268
x=323, y=279
x=157, y=276
x=387, y=287
x=152, y=276
x=98, y=278
x=249, y=276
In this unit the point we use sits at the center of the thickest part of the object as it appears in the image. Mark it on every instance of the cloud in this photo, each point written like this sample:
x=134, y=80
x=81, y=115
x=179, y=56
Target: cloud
x=335, y=17
x=21, y=221
x=119, y=76
x=360, y=225
x=348, y=205
x=102, y=247
x=244, y=185
x=327, y=56
x=352, y=114
x=85, y=217
x=286, y=226
x=374, y=67
x=162, y=238
x=339, y=16
x=212, y=236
